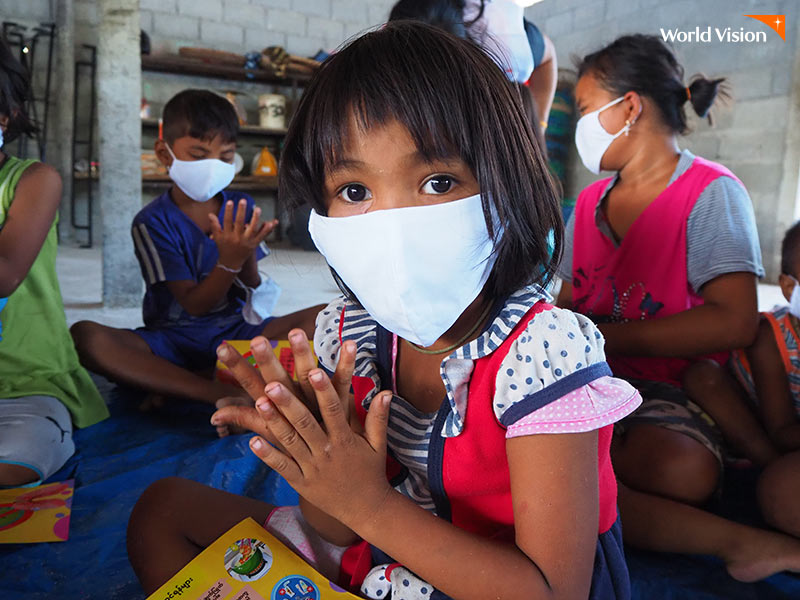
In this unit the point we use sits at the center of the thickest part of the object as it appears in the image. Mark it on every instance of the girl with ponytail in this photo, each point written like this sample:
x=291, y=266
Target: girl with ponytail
x=664, y=256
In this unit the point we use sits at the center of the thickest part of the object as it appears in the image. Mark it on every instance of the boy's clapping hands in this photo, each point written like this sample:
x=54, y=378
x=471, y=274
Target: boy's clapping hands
x=236, y=240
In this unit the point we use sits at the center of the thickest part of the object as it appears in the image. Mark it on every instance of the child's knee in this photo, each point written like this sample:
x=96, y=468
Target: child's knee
x=16, y=475
x=84, y=335
x=160, y=496
x=667, y=463
x=156, y=508
x=703, y=376
x=778, y=491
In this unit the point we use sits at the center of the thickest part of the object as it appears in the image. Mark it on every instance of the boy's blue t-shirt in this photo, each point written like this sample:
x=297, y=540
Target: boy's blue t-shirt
x=171, y=247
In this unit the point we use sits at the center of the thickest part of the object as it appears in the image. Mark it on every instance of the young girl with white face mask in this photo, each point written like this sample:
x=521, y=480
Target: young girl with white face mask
x=664, y=256
x=433, y=206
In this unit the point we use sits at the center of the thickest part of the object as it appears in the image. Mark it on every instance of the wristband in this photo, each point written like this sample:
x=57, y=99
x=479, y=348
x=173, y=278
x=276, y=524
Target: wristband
x=228, y=269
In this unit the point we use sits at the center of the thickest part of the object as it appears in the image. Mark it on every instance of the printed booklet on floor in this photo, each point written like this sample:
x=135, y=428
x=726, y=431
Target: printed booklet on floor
x=38, y=514
x=247, y=563
x=281, y=348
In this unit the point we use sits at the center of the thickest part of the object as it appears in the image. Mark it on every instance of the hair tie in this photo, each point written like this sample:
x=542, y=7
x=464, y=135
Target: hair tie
x=688, y=94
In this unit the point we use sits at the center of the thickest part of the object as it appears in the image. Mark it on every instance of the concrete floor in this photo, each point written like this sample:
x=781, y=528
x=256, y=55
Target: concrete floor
x=303, y=276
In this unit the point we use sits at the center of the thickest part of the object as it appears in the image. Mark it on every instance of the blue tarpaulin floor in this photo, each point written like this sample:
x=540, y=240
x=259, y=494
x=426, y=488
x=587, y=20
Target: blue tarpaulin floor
x=118, y=458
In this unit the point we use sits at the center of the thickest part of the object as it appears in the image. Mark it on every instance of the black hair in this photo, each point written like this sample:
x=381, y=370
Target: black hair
x=15, y=91
x=790, y=250
x=455, y=102
x=444, y=14
x=646, y=65
x=200, y=114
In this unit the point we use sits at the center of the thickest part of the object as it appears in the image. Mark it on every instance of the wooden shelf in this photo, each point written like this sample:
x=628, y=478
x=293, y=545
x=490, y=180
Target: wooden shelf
x=243, y=129
x=242, y=183
x=172, y=63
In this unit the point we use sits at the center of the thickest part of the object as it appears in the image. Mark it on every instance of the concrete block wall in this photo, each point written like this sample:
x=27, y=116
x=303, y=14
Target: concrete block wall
x=757, y=135
x=29, y=11
x=301, y=26
x=753, y=135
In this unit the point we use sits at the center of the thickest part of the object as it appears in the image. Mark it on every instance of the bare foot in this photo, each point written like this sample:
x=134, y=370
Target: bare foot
x=762, y=553
x=152, y=402
x=224, y=430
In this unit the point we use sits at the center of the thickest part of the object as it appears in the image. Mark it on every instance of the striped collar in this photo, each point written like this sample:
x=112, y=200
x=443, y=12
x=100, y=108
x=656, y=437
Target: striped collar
x=456, y=368
x=501, y=325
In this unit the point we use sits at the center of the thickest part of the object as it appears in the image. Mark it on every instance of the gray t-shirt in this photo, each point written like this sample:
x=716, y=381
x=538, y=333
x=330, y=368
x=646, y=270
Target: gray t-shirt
x=721, y=235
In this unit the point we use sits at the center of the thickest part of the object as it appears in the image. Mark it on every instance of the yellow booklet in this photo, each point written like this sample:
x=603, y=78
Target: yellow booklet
x=247, y=563
x=38, y=514
x=281, y=348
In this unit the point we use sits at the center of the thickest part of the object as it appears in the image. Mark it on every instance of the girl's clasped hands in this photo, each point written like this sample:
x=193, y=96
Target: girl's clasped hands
x=336, y=464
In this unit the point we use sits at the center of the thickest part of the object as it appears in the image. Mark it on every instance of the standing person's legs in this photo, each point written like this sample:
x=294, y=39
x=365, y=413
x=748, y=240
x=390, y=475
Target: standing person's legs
x=175, y=519
x=35, y=439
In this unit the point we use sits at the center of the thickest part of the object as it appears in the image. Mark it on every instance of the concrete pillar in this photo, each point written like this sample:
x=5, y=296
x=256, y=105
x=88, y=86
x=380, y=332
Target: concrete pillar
x=787, y=203
x=119, y=129
x=61, y=106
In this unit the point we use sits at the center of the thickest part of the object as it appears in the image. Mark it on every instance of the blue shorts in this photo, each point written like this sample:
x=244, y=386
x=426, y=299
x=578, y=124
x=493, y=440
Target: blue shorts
x=194, y=347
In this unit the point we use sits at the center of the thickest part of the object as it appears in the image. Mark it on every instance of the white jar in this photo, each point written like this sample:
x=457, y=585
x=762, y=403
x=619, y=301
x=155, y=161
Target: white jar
x=272, y=111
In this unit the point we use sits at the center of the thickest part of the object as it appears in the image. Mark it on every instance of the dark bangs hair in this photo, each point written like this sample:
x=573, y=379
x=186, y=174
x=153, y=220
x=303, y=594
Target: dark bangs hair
x=455, y=102
x=200, y=114
x=15, y=91
x=646, y=65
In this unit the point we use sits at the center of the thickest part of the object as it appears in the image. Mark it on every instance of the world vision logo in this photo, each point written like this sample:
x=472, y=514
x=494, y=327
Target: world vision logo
x=776, y=22
x=728, y=34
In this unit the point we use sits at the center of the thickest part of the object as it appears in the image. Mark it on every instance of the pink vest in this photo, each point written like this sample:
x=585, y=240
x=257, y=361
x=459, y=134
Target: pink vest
x=646, y=276
x=468, y=474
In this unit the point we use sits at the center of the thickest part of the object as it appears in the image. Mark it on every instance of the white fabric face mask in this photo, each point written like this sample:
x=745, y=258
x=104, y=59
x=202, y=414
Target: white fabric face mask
x=414, y=269
x=260, y=302
x=201, y=179
x=794, y=300
x=592, y=139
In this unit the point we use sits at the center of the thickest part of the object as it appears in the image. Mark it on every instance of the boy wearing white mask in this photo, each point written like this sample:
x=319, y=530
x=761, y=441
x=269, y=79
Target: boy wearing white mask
x=198, y=246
